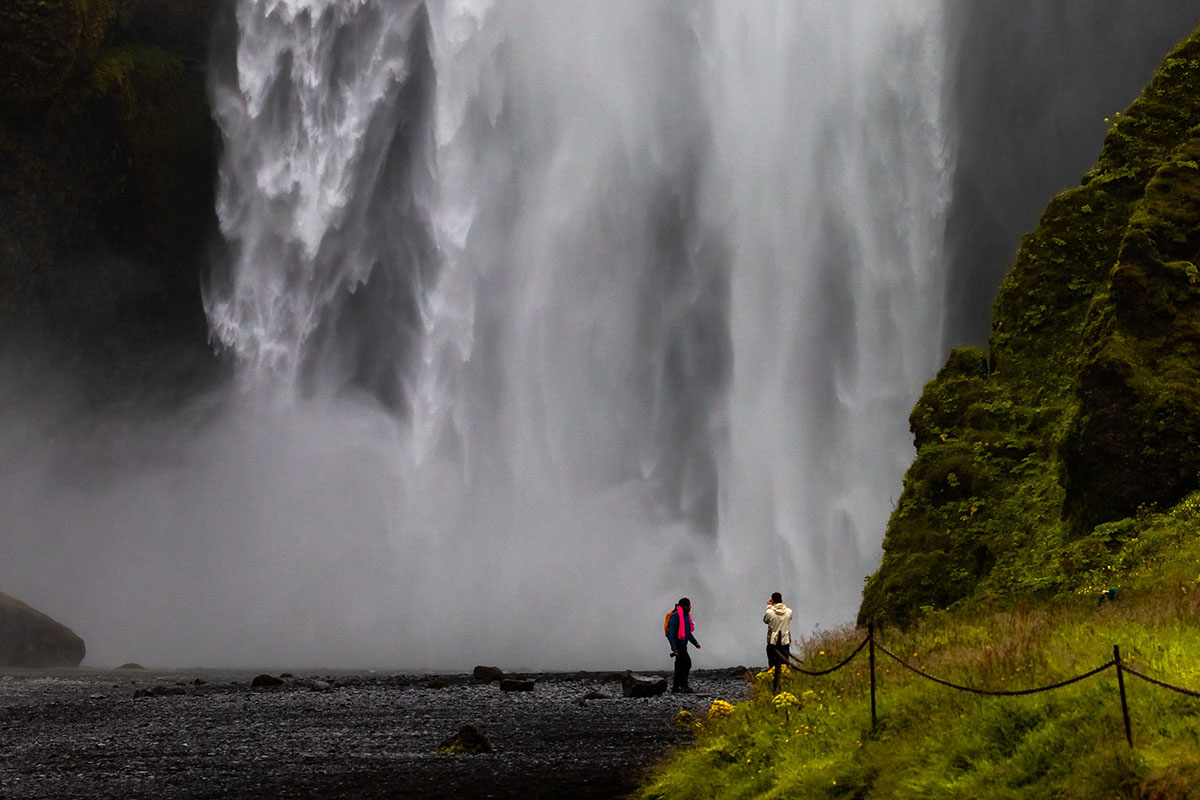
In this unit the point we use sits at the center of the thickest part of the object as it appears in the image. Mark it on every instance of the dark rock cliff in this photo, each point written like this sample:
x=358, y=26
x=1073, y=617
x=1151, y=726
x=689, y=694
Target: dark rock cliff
x=107, y=168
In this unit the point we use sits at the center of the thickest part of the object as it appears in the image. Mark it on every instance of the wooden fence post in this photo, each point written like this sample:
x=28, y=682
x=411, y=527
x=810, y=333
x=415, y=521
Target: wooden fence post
x=1121, y=686
x=871, y=654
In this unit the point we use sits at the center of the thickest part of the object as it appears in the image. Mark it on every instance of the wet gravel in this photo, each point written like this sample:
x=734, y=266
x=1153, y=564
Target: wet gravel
x=203, y=734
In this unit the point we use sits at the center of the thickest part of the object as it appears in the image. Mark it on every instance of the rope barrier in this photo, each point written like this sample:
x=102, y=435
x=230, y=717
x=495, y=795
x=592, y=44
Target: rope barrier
x=1116, y=661
x=1148, y=679
x=1001, y=692
x=841, y=664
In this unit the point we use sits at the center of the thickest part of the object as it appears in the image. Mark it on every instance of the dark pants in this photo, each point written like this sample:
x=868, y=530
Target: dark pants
x=777, y=656
x=683, y=666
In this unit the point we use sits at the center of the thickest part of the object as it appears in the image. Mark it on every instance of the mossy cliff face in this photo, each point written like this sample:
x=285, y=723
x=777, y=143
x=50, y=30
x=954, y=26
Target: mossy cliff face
x=107, y=164
x=1086, y=405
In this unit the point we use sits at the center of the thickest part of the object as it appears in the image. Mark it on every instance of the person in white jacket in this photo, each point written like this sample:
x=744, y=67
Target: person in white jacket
x=779, y=634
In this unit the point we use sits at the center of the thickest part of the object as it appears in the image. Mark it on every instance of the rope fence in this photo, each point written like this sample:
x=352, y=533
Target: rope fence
x=997, y=692
x=843, y=662
x=871, y=644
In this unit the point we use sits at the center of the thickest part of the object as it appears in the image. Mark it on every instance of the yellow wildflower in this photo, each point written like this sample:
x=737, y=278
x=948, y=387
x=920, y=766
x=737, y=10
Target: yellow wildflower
x=720, y=709
x=785, y=700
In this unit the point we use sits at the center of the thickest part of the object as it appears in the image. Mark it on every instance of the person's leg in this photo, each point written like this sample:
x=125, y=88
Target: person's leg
x=683, y=661
x=680, y=670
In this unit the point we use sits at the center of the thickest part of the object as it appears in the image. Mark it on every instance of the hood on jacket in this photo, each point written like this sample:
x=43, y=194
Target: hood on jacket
x=779, y=608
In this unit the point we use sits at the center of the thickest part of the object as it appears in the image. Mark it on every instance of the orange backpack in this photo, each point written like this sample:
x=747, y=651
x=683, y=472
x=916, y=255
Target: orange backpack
x=667, y=622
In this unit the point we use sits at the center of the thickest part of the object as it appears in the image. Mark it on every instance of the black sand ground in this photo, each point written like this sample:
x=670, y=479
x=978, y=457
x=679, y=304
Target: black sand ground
x=202, y=734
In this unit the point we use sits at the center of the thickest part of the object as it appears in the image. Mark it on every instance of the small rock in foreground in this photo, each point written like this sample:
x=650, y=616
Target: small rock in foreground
x=469, y=741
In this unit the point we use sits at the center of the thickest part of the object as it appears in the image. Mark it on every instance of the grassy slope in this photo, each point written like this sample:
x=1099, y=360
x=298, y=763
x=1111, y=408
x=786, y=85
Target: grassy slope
x=936, y=742
x=1058, y=463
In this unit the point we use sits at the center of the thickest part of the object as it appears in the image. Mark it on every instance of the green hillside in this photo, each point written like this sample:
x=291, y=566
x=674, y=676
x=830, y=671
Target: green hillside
x=1033, y=455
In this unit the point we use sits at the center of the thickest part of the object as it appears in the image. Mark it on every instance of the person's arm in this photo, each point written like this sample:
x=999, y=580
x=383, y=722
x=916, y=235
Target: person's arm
x=692, y=639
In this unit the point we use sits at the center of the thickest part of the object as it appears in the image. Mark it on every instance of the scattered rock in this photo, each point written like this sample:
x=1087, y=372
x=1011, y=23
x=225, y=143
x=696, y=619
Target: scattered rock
x=642, y=686
x=266, y=680
x=516, y=685
x=286, y=675
x=488, y=674
x=469, y=741
x=199, y=682
x=595, y=696
x=29, y=638
x=131, y=665
x=158, y=691
x=437, y=683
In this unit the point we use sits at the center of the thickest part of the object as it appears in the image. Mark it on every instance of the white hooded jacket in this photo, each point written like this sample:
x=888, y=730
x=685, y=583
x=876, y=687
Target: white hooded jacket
x=779, y=624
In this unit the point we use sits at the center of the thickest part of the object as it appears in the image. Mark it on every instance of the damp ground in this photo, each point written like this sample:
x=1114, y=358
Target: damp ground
x=94, y=734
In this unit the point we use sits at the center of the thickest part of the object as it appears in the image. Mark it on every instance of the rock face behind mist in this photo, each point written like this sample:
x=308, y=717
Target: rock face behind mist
x=1035, y=457
x=107, y=166
x=29, y=638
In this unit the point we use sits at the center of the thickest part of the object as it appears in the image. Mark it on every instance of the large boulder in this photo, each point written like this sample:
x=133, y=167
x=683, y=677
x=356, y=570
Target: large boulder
x=29, y=638
x=642, y=685
x=485, y=674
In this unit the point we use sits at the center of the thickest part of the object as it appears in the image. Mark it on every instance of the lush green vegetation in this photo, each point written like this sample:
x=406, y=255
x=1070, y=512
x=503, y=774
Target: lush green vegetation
x=1061, y=461
x=935, y=742
x=1086, y=404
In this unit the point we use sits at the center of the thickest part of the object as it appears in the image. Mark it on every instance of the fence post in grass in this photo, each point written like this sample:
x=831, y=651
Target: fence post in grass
x=1121, y=686
x=871, y=655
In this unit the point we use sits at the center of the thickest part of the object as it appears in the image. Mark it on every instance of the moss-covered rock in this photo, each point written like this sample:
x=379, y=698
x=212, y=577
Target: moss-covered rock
x=1086, y=406
x=45, y=45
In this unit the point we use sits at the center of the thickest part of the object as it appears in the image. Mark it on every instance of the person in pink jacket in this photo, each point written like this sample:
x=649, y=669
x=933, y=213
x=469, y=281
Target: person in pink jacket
x=779, y=634
x=679, y=627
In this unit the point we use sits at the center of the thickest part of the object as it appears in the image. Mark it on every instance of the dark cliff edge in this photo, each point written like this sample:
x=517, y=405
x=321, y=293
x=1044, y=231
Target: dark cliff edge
x=108, y=160
x=1037, y=456
x=29, y=638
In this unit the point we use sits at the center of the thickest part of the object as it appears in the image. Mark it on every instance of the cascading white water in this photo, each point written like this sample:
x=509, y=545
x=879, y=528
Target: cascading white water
x=834, y=191
x=639, y=295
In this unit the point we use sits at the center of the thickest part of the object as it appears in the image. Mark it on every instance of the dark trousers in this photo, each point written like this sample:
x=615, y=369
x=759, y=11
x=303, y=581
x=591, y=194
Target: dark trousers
x=777, y=656
x=683, y=666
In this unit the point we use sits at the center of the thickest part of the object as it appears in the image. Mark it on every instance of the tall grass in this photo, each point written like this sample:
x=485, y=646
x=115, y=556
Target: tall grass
x=935, y=742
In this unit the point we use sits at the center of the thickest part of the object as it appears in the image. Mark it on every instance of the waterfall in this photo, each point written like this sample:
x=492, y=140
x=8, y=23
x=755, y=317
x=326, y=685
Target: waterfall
x=629, y=299
x=543, y=314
